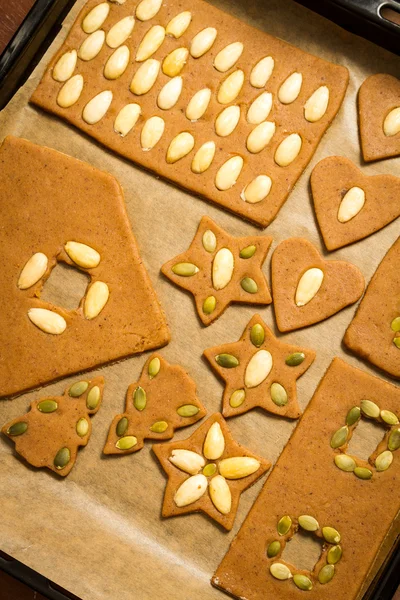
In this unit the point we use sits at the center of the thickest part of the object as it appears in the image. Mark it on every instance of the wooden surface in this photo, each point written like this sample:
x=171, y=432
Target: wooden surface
x=12, y=13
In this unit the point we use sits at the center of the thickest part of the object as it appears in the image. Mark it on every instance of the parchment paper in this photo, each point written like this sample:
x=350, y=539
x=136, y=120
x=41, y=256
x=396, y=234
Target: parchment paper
x=99, y=532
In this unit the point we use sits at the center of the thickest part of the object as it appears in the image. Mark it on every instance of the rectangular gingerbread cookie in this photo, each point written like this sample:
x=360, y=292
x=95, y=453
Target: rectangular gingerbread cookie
x=269, y=102
x=347, y=503
x=56, y=209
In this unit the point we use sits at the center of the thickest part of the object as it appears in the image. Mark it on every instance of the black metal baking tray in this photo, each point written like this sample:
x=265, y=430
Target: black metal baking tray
x=26, y=48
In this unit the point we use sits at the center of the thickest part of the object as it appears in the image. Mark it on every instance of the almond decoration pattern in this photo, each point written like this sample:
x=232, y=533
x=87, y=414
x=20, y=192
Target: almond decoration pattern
x=208, y=472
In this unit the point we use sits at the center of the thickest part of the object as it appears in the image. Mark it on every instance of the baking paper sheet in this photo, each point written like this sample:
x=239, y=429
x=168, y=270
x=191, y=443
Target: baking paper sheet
x=99, y=532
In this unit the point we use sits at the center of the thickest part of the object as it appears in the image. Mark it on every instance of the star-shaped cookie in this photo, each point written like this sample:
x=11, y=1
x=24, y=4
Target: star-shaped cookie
x=208, y=472
x=259, y=370
x=219, y=269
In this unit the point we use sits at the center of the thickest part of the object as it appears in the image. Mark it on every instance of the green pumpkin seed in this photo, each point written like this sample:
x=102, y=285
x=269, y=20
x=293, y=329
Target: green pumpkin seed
x=353, y=415
x=122, y=426
x=257, y=335
x=396, y=342
x=210, y=470
x=209, y=305
x=185, y=269
x=159, y=427
x=362, y=473
x=370, y=409
x=308, y=523
x=18, y=428
x=62, y=458
x=278, y=394
x=331, y=535
x=139, y=398
x=394, y=440
x=47, y=406
x=326, y=574
x=395, y=324
x=154, y=367
x=339, y=437
x=384, y=460
x=249, y=285
x=295, y=359
x=345, y=463
x=126, y=443
x=280, y=571
x=302, y=582
x=82, y=427
x=209, y=240
x=93, y=398
x=228, y=361
x=273, y=549
x=237, y=398
x=389, y=417
x=78, y=388
x=187, y=410
x=284, y=524
x=248, y=252
x=334, y=554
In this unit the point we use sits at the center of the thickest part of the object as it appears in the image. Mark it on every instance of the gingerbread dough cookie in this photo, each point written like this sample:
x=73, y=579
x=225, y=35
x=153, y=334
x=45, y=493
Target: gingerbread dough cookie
x=350, y=205
x=307, y=494
x=45, y=221
x=259, y=370
x=208, y=472
x=164, y=399
x=379, y=113
x=308, y=289
x=50, y=434
x=219, y=269
x=374, y=333
x=226, y=111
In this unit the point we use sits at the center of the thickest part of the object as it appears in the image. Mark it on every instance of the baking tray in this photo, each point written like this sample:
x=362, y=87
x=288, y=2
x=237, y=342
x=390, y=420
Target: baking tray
x=363, y=17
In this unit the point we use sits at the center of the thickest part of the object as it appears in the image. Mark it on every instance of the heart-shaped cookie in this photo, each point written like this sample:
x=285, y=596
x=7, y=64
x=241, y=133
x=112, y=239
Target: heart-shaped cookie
x=306, y=288
x=379, y=117
x=350, y=205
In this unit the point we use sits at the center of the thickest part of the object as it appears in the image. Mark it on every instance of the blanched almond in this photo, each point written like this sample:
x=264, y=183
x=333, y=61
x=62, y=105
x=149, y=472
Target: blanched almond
x=202, y=42
x=96, y=17
x=288, y=150
x=222, y=268
x=258, y=369
x=169, y=93
x=187, y=461
x=260, y=137
x=82, y=255
x=145, y=77
x=70, y=91
x=228, y=173
x=96, y=299
x=203, y=157
x=230, y=88
x=214, y=443
x=237, y=467
x=151, y=132
x=126, y=119
x=198, y=104
x=92, y=45
x=257, y=190
x=47, y=320
x=308, y=286
x=260, y=108
x=117, y=63
x=120, y=32
x=65, y=66
x=262, y=72
x=227, y=120
x=178, y=24
x=391, y=124
x=180, y=146
x=351, y=204
x=290, y=88
x=228, y=56
x=220, y=495
x=147, y=9
x=97, y=107
x=33, y=271
x=316, y=105
x=175, y=61
x=150, y=43
x=191, y=490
